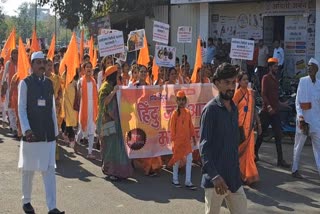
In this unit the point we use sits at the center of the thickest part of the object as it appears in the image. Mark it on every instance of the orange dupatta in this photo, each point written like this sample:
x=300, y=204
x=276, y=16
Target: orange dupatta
x=84, y=102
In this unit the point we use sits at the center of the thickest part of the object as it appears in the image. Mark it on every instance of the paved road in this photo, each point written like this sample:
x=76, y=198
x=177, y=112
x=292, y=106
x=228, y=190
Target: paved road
x=81, y=188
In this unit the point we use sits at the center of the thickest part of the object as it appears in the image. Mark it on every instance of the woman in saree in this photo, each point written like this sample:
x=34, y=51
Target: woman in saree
x=245, y=101
x=115, y=162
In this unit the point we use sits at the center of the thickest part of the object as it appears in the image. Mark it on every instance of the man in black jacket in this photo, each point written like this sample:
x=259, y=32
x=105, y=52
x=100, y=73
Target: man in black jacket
x=219, y=140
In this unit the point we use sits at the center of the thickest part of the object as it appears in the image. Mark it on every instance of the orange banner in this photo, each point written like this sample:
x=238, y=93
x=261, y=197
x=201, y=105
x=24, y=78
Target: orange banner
x=145, y=115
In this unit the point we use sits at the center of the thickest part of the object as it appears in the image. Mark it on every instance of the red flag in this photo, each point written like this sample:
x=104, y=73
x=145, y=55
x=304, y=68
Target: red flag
x=144, y=57
x=52, y=48
x=23, y=61
x=9, y=46
x=198, y=62
x=34, y=42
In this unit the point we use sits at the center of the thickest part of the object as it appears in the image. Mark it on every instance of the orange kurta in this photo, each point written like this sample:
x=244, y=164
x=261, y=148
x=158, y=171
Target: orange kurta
x=182, y=130
x=13, y=96
x=244, y=99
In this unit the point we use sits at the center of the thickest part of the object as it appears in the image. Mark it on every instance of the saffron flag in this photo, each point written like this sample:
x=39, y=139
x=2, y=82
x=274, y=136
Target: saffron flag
x=9, y=46
x=91, y=46
x=70, y=60
x=52, y=48
x=198, y=62
x=23, y=61
x=144, y=58
x=155, y=70
x=81, y=51
x=95, y=58
x=34, y=42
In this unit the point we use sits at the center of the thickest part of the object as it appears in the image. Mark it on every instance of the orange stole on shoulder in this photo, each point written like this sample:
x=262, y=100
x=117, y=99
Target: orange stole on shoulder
x=84, y=102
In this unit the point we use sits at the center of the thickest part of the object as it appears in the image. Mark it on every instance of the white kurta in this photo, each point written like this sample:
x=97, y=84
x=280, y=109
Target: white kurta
x=309, y=92
x=91, y=126
x=37, y=156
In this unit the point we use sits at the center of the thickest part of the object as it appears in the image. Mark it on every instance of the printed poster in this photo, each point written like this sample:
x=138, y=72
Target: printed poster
x=111, y=43
x=135, y=40
x=165, y=55
x=145, y=115
x=242, y=49
x=184, y=34
x=161, y=32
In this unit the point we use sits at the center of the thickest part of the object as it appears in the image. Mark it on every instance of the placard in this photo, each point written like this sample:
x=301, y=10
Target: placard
x=184, y=34
x=135, y=40
x=161, y=32
x=165, y=55
x=241, y=49
x=111, y=43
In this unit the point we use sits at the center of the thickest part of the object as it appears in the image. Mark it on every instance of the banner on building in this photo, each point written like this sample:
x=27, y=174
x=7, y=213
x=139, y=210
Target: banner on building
x=111, y=43
x=161, y=32
x=135, y=40
x=241, y=49
x=184, y=34
x=145, y=115
x=165, y=55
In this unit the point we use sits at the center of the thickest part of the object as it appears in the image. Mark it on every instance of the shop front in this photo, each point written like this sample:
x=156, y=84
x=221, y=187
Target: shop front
x=291, y=22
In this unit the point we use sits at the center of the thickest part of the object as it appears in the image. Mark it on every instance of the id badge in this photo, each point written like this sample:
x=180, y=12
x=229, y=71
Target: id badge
x=41, y=102
x=245, y=109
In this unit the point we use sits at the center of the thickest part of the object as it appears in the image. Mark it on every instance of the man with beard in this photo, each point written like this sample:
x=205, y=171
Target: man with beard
x=270, y=110
x=219, y=140
x=36, y=108
x=308, y=111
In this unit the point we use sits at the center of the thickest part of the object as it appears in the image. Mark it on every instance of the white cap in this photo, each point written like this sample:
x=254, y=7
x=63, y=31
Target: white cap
x=313, y=61
x=37, y=55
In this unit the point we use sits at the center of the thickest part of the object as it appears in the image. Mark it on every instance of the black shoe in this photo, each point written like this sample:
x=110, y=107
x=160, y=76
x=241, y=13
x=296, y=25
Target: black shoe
x=283, y=164
x=177, y=185
x=191, y=187
x=296, y=174
x=55, y=211
x=28, y=209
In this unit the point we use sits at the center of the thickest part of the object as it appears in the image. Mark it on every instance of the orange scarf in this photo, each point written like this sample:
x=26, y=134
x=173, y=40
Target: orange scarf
x=84, y=102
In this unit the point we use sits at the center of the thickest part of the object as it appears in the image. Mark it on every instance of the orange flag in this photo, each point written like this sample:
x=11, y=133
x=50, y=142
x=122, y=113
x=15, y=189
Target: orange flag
x=198, y=62
x=9, y=46
x=155, y=70
x=52, y=48
x=81, y=46
x=23, y=61
x=95, y=58
x=91, y=48
x=144, y=58
x=70, y=59
x=34, y=42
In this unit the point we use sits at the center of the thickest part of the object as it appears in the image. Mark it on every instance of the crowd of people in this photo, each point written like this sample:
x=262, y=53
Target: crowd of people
x=44, y=104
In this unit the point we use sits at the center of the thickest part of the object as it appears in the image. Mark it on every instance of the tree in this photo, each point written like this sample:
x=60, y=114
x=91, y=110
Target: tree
x=3, y=27
x=76, y=11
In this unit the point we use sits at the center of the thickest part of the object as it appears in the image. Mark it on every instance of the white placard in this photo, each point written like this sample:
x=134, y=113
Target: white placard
x=184, y=34
x=161, y=32
x=111, y=43
x=165, y=55
x=242, y=49
x=135, y=40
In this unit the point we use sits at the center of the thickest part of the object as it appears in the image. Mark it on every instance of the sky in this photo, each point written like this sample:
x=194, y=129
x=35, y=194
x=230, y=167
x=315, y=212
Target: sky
x=10, y=6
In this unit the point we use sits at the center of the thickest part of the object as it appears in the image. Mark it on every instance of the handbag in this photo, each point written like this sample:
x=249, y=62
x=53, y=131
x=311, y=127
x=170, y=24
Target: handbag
x=108, y=129
x=76, y=102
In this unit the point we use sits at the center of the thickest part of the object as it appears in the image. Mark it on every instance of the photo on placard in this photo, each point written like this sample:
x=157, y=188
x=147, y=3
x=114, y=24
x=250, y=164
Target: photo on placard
x=135, y=40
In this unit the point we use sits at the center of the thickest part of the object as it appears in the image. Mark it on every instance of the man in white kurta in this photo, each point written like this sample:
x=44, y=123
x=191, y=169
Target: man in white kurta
x=308, y=112
x=36, y=155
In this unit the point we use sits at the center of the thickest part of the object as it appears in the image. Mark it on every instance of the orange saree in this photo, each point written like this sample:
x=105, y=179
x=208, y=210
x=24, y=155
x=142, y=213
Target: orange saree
x=244, y=99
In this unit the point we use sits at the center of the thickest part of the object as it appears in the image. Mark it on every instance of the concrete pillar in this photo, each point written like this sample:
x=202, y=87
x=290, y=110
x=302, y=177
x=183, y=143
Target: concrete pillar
x=204, y=20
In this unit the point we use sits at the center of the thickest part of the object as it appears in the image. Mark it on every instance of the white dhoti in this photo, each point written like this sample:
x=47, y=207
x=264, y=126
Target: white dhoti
x=300, y=140
x=38, y=156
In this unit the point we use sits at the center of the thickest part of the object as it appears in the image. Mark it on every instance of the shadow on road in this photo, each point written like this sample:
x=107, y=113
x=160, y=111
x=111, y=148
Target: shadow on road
x=159, y=189
x=71, y=168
